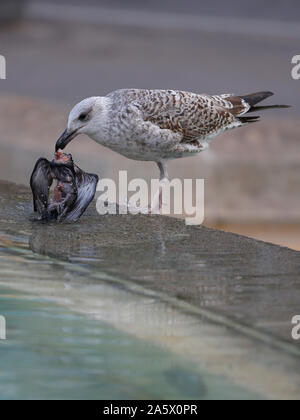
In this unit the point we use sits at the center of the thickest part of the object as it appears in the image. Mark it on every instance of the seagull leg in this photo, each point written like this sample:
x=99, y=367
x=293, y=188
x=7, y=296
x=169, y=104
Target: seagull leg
x=163, y=176
x=156, y=205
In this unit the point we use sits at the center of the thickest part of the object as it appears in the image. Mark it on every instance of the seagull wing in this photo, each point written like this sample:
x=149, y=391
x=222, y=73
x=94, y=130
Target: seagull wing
x=193, y=116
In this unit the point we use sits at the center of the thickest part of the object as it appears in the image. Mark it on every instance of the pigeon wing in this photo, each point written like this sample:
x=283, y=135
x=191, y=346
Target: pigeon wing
x=86, y=187
x=40, y=183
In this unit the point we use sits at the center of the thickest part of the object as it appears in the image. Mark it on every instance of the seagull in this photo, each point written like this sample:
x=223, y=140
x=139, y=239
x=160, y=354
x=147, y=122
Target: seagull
x=160, y=125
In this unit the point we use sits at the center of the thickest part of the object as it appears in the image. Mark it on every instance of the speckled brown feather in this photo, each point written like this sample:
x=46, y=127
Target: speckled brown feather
x=193, y=116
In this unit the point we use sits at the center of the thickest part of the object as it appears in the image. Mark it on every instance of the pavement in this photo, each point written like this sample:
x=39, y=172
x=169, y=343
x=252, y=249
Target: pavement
x=65, y=62
x=288, y=11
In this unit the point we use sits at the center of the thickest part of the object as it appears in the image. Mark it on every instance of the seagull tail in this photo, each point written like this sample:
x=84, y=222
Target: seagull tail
x=248, y=120
x=254, y=98
x=262, y=108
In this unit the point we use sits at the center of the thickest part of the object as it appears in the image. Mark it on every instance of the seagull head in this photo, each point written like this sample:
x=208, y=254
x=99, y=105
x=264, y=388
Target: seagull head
x=86, y=117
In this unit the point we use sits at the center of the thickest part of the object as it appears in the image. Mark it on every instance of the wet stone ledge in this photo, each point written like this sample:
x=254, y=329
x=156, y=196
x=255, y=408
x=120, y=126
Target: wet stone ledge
x=252, y=285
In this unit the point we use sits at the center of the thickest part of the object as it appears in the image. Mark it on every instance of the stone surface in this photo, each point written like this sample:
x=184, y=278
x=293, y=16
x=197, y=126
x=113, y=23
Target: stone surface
x=250, y=283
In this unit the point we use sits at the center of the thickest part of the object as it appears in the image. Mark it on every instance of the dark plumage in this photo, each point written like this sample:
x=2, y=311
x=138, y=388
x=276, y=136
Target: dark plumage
x=72, y=194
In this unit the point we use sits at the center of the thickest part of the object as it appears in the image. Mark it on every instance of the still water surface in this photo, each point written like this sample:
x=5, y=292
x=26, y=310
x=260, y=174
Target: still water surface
x=54, y=353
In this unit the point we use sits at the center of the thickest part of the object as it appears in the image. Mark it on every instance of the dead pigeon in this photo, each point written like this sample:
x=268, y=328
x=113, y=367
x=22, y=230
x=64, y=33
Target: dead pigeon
x=74, y=190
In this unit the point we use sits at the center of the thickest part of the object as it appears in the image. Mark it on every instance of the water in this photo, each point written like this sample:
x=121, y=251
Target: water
x=54, y=353
x=60, y=351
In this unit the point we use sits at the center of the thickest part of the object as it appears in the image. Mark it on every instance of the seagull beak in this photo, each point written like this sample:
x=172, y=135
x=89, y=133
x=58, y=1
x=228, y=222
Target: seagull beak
x=65, y=139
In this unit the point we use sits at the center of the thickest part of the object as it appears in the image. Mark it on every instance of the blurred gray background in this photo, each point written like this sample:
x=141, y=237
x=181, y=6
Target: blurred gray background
x=59, y=52
x=75, y=49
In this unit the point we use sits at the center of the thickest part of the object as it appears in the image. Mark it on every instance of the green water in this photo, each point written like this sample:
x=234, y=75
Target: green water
x=53, y=353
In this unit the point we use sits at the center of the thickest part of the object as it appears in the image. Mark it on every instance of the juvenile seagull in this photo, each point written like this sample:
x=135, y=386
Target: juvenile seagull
x=159, y=125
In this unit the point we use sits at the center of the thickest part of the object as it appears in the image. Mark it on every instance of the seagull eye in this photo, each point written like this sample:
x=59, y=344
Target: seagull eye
x=83, y=116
